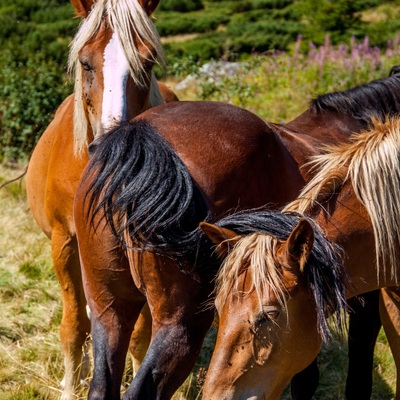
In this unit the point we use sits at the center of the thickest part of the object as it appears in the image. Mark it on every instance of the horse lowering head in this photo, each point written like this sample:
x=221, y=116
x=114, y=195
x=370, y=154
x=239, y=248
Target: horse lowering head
x=277, y=282
x=112, y=56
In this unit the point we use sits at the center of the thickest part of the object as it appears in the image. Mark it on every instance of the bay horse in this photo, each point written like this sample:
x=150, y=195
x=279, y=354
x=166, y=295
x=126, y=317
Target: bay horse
x=112, y=56
x=148, y=185
x=285, y=272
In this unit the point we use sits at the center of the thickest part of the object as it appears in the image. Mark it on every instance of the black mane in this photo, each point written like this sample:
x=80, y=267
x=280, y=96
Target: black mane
x=324, y=270
x=377, y=99
x=140, y=186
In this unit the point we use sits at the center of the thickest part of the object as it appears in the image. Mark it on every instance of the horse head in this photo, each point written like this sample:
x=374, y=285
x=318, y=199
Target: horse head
x=270, y=326
x=112, y=56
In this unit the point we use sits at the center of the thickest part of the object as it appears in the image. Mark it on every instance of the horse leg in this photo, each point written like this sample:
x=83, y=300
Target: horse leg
x=114, y=301
x=180, y=322
x=390, y=314
x=75, y=325
x=364, y=326
x=304, y=384
x=140, y=339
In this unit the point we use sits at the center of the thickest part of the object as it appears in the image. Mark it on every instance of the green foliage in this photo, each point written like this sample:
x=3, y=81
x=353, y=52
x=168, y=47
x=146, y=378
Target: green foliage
x=339, y=18
x=34, y=37
x=207, y=47
x=181, y=5
x=175, y=23
x=30, y=92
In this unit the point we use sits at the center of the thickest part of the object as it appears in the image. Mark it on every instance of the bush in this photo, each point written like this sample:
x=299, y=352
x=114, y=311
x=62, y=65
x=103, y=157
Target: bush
x=271, y=4
x=188, y=23
x=207, y=47
x=181, y=5
x=30, y=92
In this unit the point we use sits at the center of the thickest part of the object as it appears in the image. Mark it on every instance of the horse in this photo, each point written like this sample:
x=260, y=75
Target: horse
x=284, y=272
x=151, y=181
x=112, y=56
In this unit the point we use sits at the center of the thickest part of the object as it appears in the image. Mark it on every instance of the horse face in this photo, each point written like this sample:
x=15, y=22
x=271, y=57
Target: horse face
x=112, y=55
x=109, y=93
x=260, y=348
x=263, y=341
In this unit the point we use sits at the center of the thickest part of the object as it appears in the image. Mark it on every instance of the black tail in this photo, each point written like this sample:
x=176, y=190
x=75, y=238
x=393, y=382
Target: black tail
x=141, y=187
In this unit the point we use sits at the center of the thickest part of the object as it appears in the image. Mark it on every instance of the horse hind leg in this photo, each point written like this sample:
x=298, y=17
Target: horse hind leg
x=364, y=326
x=390, y=315
x=75, y=325
x=140, y=339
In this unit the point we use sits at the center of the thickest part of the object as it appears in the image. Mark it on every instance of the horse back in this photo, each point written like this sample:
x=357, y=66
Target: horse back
x=235, y=158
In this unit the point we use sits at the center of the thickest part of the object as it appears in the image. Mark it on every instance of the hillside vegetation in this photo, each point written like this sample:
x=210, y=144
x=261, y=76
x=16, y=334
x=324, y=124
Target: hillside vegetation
x=34, y=36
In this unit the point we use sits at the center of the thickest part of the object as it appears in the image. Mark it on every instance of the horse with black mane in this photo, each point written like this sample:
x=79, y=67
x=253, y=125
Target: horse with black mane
x=146, y=188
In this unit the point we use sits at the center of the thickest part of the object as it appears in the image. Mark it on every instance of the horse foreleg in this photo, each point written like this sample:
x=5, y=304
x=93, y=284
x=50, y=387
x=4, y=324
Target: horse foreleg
x=140, y=339
x=180, y=322
x=75, y=325
x=305, y=383
x=390, y=315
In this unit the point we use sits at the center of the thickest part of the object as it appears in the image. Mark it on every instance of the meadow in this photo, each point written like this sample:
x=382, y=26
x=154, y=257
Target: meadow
x=275, y=73
x=277, y=86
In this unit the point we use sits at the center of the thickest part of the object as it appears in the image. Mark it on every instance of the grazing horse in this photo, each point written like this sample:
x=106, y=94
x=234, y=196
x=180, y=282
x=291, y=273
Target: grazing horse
x=148, y=185
x=112, y=56
x=284, y=274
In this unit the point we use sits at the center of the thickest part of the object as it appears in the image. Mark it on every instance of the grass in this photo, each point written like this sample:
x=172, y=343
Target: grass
x=277, y=87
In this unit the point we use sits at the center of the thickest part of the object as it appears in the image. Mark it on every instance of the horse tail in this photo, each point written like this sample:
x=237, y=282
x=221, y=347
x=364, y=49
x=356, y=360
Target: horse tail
x=142, y=188
x=4, y=184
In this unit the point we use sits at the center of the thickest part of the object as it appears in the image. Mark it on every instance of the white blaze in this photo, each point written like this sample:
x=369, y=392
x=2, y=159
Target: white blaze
x=115, y=73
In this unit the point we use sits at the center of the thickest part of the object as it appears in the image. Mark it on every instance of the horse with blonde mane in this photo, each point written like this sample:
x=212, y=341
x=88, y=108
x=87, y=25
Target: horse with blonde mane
x=148, y=185
x=112, y=56
x=284, y=273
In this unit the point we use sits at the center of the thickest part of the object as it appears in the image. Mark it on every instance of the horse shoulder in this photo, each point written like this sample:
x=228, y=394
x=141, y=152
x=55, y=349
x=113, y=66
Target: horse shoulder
x=54, y=170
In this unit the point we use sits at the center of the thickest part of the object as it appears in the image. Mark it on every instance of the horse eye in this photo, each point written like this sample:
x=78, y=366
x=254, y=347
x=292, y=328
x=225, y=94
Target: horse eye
x=268, y=316
x=86, y=66
x=148, y=65
x=273, y=314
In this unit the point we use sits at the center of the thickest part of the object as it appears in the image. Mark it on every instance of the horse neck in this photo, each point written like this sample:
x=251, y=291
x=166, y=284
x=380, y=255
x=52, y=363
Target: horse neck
x=300, y=145
x=345, y=222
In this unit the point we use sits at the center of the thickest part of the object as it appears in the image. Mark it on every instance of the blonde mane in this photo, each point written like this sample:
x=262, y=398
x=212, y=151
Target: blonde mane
x=128, y=19
x=372, y=163
x=256, y=252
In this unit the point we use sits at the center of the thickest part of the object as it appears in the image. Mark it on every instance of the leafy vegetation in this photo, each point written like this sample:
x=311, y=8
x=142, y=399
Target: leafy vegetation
x=35, y=35
x=264, y=25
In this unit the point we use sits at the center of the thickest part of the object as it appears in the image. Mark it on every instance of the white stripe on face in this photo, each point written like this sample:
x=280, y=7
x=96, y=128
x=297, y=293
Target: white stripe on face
x=115, y=74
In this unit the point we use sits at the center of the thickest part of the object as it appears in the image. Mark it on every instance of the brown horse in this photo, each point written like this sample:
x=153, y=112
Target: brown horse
x=112, y=55
x=284, y=275
x=151, y=182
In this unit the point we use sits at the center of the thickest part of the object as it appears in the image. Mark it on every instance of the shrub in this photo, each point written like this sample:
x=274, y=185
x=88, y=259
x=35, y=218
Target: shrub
x=188, y=23
x=30, y=92
x=207, y=47
x=181, y=5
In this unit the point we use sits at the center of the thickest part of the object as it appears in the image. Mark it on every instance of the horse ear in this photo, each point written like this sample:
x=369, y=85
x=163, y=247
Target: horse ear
x=149, y=5
x=224, y=238
x=298, y=246
x=82, y=7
